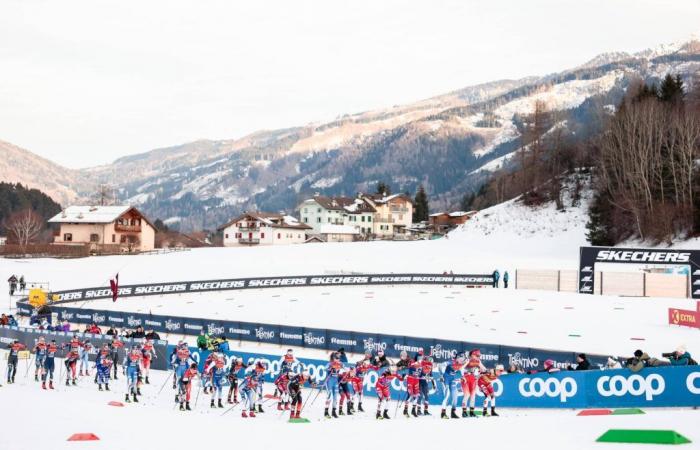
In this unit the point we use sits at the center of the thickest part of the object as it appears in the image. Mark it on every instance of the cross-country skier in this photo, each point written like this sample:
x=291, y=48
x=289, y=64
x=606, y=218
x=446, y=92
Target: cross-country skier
x=361, y=368
x=103, y=352
x=71, y=363
x=49, y=364
x=413, y=376
x=249, y=388
x=331, y=385
x=39, y=358
x=185, y=386
x=287, y=364
x=296, y=383
x=148, y=353
x=233, y=375
x=180, y=362
x=259, y=373
x=348, y=376
x=451, y=373
x=218, y=374
x=384, y=391
x=426, y=382
x=13, y=359
x=84, y=353
x=486, y=386
x=380, y=360
x=115, y=346
x=206, y=372
x=132, y=367
x=472, y=370
x=103, y=366
x=282, y=388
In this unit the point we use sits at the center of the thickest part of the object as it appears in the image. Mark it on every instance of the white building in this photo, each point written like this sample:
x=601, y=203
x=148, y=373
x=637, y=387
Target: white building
x=338, y=233
x=393, y=213
x=258, y=228
x=321, y=210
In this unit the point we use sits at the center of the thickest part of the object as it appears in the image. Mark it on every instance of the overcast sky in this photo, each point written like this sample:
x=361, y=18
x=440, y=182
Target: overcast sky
x=83, y=82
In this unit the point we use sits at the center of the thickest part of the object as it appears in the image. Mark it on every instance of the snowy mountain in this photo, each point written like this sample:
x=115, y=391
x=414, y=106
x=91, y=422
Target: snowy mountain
x=448, y=143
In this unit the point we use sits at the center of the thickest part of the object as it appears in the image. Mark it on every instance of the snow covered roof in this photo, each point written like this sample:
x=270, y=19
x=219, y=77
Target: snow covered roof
x=381, y=198
x=273, y=220
x=331, y=228
x=93, y=214
x=462, y=213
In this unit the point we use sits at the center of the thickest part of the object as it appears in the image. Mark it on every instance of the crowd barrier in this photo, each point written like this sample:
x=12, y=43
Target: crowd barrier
x=29, y=337
x=185, y=287
x=318, y=338
x=652, y=387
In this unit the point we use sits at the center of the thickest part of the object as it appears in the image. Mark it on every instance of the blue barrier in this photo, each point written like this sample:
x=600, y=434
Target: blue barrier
x=323, y=339
x=653, y=387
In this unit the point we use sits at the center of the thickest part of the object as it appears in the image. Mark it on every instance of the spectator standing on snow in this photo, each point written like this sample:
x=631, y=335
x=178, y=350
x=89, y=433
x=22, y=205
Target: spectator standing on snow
x=496, y=277
x=203, y=340
x=505, y=279
x=12, y=281
x=22, y=284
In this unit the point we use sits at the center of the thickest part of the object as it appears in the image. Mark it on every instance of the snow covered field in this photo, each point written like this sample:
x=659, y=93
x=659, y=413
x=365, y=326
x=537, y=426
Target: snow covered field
x=45, y=419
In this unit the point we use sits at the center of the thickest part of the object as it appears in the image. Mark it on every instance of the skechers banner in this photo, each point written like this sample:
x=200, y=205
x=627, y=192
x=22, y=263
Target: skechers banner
x=29, y=337
x=660, y=387
x=271, y=282
x=318, y=338
x=590, y=255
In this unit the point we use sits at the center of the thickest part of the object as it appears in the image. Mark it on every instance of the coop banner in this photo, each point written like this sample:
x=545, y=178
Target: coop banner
x=29, y=337
x=185, y=287
x=529, y=359
x=660, y=387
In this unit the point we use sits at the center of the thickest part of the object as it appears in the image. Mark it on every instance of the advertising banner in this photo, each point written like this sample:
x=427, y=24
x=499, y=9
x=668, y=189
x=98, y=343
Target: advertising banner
x=684, y=317
x=653, y=387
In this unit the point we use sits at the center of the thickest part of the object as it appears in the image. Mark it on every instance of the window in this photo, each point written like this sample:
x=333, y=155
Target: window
x=226, y=235
x=299, y=236
x=363, y=218
x=68, y=237
x=94, y=237
x=319, y=210
x=114, y=238
x=279, y=235
x=329, y=220
x=306, y=220
x=369, y=218
x=262, y=235
x=318, y=219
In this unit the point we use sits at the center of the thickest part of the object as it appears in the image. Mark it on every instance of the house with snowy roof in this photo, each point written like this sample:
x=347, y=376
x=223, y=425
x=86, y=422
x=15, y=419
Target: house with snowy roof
x=393, y=213
x=444, y=221
x=320, y=211
x=261, y=228
x=118, y=228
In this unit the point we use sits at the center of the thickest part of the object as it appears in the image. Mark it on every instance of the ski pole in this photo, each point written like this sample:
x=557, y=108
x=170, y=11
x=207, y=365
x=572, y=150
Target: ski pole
x=165, y=382
x=29, y=363
x=323, y=388
x=303, y=405
x=196, y=398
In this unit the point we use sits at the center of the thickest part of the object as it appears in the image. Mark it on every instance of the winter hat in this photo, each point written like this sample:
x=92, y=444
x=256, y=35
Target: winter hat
x=582, y=355
x=680, y=349
x=638, y=353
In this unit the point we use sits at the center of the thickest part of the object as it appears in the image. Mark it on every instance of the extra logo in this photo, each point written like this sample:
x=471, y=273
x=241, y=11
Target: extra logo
x=551, y=387
x=635, y=385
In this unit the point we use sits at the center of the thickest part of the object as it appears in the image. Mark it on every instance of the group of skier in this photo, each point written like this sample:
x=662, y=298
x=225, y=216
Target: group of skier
x=343, y=383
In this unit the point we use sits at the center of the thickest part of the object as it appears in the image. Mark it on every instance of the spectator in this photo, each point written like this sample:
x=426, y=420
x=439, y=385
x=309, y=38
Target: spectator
x=343, y=356
x=505, y=279
x=112, y=332
x=44, y=324
x=203, y=340
x=22, y=283
x=612, y=363
x=379, y=359
x=65, y=326
x=496, y=277
x=4, y=320
x=680, y=357
x=12, y=281
x=550, y=367
x=138, y=333
x=94, y=329
x=582, y=362
x=641, y=360
x=152, y=335
x=11, y=321
x=515, y=368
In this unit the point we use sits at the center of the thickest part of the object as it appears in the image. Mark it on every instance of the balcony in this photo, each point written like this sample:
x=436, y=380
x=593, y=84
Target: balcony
x=247, y=228
x=399, y=210
x=127, y=228
x=384, y=220
x=248, y=241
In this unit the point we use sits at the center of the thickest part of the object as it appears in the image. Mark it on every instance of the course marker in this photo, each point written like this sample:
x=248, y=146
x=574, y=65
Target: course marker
x=84, y=437
x=643, y=437
x=595, y=412
x=637, y=339
x=522, y=332
x=627, y=411
x=299, y=420
x=120, y=404
x=574, y=335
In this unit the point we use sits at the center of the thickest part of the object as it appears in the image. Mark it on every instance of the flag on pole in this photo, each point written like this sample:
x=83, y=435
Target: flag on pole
x=114, y=286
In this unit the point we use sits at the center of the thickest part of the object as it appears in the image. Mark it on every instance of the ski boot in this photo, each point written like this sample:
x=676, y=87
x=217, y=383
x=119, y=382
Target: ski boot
x=51, y=384
x=36, y=377
x=244, y=414
x=493, y=412
x=74, y=383
x=136, y=400
x=252, y=413
x=126, y=398
x=413, y=411
x=464, y=412
x=386, y=415
x=211, y=405
x=182, y=406
x=187, y=406
x=379, y=415
x=443, y=414
x=472, y=413
x=484, y=413
x=359, y=407
x=106, y=386
x=220, y=405
x=99, y=387
x=286, y=406
x=325, y=414
x=229, y=401
x=260, y=410
x=147, y=382
x=334, y=414
x=453, y=414
x=138, y=391
x=67, y=382
x=405, y=412
x=341, y=412
x=43, y=385
x=350, y=413
x=279, y=406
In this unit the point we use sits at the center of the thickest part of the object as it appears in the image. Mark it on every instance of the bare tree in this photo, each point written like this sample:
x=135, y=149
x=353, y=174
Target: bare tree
x=24, y=226
x=104, y=195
